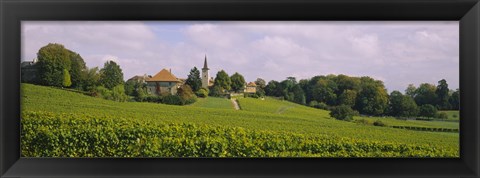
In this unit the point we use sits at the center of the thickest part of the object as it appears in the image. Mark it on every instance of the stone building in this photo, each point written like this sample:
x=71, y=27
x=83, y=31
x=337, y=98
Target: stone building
x=164, y=82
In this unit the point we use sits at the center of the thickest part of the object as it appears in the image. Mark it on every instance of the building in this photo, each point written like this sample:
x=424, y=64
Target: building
x=139, y=78
x=250, y=88
x=164, y=82
x=29, y=71
x=206, y=80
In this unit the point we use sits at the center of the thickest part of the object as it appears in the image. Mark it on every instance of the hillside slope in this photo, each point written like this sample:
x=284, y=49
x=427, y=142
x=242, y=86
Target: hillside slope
x=296, y=120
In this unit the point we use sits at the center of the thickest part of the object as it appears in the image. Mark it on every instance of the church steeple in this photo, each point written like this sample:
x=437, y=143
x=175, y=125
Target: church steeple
x=205, y=74
x=205, y=67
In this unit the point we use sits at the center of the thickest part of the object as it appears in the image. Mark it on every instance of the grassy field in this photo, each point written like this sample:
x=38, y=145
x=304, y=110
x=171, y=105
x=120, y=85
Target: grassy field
x=452, y=115
x=213, y=102
x=268, y=117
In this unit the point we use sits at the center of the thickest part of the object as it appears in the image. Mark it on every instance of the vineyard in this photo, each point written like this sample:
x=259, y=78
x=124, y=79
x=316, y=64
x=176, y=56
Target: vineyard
x=57, y=123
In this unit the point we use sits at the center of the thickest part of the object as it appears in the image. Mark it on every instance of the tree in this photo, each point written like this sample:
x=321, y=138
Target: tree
x=216, y=91
x=342, y=112
x=428, y=110
x=402, y=105
x=77, y=67
x=186, y=93
x=260, y=83
x=131, y=86
x=223, y=81
x=455, y=100
x=347, y=83
x=298, y=95
x=348, y=98
x=194, y=80
x=52, y=60
x=442, y=95
x=410, y=91
x=324, y=91
x=238, y=82
x=425, y=94
x=111, y=75
x=66, y=78
x=373, y=97
x=91, y=78
x=273, y=88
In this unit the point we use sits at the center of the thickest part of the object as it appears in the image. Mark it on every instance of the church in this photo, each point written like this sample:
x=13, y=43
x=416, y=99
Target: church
x=207, y=81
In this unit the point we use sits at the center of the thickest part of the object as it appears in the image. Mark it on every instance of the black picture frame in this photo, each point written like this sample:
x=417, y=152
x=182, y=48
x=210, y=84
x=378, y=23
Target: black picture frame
x=12, y=12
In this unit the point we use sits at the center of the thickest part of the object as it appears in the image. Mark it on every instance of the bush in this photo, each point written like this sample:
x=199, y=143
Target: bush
x=153, y=99
x=428, y=110
x=202, y=93
x=216, y=91
x=442, y=115
x=323, y=106
x=363, y=121
x=172, y=100
x=342, y=112
x=313, y=103
x=379, y=123
x=102, y=92
x=454, y=115
x=251, y=95
x=118, y=93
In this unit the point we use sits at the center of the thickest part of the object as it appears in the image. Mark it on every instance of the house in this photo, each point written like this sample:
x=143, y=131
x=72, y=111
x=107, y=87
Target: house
x=164, y=82
x=139, y=78
x=250, y=88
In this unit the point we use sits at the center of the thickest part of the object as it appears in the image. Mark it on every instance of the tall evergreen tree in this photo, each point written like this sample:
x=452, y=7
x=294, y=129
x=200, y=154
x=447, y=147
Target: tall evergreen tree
x=442, y=95
x=194, y=80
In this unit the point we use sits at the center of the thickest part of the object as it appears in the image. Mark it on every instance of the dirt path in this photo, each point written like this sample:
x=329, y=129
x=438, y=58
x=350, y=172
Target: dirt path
x=235, y=104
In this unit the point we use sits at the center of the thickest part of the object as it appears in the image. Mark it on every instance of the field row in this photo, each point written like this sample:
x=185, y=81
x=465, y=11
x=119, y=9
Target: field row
x=45, y=134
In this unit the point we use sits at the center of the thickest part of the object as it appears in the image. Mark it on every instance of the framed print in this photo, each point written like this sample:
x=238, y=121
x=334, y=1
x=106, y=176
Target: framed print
x=226, y=88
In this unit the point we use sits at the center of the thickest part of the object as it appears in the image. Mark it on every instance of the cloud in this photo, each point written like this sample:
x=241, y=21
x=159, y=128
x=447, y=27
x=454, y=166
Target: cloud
x=399, y=53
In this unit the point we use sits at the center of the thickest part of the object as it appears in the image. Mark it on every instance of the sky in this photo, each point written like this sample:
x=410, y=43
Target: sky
x=398, y=53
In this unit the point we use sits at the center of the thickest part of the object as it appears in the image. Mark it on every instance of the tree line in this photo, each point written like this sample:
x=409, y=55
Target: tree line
x=365, y=95
x=60, y=67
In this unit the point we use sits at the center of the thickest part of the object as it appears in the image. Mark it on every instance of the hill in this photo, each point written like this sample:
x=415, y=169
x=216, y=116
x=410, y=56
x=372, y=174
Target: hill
x=260, y=124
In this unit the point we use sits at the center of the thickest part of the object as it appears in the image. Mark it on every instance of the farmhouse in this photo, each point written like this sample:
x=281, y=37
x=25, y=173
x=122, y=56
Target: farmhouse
x=250, y=88
x=164, y=82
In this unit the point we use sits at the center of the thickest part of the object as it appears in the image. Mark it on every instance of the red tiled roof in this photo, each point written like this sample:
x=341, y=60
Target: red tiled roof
x=163, y=76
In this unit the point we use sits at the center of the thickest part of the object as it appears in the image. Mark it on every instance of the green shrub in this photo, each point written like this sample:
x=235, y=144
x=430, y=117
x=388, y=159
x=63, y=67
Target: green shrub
x=103, y=92
x=363, y=121
x=342, y=112
x=118, y=93
x=442, y=115
x=379, y=123
x=202, y=93
x=172, y=100
x=313, y=104
x=428, y=110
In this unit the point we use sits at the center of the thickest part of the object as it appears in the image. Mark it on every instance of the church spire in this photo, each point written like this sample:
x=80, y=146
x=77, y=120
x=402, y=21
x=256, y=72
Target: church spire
x=205, y=67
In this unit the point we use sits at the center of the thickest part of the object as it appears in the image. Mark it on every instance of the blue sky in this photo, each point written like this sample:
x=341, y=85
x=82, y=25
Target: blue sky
x=398, y=53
